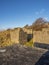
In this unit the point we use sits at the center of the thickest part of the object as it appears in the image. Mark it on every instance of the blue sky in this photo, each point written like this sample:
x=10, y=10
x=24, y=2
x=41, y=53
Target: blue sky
x=17, y=13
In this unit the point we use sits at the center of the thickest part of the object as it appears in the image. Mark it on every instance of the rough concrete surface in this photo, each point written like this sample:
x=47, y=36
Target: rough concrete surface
x=21, y=55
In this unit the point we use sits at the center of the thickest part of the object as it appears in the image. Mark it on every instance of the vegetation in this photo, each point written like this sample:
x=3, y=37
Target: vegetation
x=30, y=43
x=5, y=38
x=37, y=25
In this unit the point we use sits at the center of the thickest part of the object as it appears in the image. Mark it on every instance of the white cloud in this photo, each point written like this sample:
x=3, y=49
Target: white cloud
x=40, y=12
x=46, y=18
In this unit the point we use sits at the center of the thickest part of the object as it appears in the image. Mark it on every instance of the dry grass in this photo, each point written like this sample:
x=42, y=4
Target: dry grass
x=30, y=43
x=5, y=38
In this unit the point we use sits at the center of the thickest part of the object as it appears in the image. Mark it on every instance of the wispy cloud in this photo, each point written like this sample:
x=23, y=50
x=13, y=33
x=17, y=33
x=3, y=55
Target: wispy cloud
x=40, y=12
x=46, y=18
